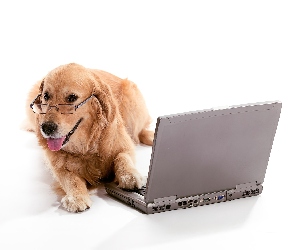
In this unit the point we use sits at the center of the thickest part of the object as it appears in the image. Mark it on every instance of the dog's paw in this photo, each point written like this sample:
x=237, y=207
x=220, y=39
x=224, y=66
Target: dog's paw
x=131, y=180
x=76, y=203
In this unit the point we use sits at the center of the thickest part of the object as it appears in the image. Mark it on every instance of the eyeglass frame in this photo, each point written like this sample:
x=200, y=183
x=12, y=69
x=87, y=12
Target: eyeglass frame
x=56, y=106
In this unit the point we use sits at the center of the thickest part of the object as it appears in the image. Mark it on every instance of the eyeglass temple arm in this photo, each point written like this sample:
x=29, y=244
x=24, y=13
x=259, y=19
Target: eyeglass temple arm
x=32, y=104
x=82, y=103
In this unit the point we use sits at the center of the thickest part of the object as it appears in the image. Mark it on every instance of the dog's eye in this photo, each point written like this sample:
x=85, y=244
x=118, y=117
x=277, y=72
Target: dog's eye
x=46, y=96
x=72, y=98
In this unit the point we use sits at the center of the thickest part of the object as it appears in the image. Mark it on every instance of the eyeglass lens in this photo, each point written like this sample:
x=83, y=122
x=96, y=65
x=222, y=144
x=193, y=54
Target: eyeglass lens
x=62, y=108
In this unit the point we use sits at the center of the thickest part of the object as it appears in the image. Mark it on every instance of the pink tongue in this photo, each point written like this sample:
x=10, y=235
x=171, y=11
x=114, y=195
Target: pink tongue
x=55, y=144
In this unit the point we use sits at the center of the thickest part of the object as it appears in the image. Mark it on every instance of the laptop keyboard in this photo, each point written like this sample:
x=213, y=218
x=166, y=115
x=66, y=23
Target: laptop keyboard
x=141, y=191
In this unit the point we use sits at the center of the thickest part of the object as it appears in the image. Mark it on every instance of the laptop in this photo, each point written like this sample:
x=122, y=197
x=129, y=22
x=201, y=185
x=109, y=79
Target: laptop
x=206, y=157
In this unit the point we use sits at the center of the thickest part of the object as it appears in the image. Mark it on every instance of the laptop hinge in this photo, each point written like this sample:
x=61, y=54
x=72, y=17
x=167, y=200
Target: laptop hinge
x=246, y=185
x=165, y=200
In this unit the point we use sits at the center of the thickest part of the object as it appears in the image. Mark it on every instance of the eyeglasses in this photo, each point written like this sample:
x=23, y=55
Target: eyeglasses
x=62, y=108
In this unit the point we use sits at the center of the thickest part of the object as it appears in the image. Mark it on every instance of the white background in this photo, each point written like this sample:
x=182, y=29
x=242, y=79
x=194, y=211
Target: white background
x=184, y=56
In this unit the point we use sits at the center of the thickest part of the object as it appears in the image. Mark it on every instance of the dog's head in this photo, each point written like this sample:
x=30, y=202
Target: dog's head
x=73, y=106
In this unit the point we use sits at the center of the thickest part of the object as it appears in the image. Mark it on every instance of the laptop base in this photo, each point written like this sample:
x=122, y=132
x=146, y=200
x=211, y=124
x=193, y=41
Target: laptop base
x=136, y=200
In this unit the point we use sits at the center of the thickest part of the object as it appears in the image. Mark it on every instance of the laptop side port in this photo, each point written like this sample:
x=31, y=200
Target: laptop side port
x=188, y=202
x=211, y=198
x=161, y=208
x=155, y=209
x=219, y=197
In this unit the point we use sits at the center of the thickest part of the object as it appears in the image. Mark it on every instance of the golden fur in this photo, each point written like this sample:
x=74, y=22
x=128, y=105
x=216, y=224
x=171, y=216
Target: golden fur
x=102, y=146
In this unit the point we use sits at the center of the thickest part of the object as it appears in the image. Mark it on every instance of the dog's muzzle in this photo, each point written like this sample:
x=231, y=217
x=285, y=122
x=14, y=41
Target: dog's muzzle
x=55, y=143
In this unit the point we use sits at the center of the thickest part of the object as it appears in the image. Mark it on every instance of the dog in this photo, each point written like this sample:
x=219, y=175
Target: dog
x=88, y=121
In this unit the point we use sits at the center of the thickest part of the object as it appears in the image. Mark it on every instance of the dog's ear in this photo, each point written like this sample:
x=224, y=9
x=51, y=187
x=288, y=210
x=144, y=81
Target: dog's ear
x=105, y=98
x=41, y=86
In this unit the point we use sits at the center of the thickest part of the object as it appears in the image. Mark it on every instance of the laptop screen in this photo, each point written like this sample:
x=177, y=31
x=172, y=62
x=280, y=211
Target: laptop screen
x=212, y=150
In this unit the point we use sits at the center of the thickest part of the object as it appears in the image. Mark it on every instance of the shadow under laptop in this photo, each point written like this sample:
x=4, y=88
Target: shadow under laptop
x=178, y=225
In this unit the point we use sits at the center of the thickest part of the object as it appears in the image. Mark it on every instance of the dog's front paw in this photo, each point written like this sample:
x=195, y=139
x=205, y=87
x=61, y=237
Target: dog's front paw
x=76, y=203
x=131, y=180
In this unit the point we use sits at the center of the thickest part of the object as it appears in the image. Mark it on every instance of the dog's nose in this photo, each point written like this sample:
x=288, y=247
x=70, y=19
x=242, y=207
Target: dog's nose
x=48, y=128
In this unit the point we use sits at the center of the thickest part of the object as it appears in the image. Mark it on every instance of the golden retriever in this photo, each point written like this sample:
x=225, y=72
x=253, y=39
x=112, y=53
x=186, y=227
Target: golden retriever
x=88, y=121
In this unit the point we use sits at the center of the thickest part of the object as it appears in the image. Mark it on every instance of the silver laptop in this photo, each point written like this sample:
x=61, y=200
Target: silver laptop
x=205, y=157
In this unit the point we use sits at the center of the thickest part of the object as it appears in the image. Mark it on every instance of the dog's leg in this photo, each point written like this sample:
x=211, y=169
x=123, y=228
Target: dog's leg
x=146, y=137
x=126, y=174
x=77, y=197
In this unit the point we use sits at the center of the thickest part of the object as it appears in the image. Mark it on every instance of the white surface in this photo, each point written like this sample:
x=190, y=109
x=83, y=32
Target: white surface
x=184, y=55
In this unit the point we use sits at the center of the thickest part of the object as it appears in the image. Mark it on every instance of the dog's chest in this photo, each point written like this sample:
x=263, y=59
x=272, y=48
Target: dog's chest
x=96, y=169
